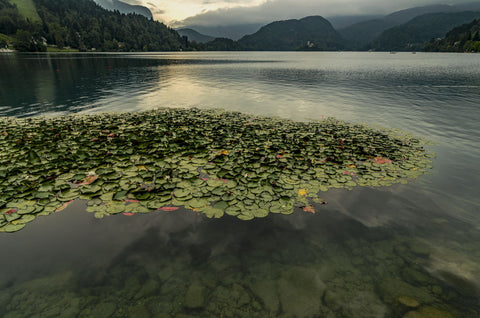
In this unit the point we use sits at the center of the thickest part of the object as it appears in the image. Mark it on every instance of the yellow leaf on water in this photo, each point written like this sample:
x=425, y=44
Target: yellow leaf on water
x=142, y=168
x=225, y=152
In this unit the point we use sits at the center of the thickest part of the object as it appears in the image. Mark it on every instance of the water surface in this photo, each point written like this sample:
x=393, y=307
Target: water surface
x=368, y=253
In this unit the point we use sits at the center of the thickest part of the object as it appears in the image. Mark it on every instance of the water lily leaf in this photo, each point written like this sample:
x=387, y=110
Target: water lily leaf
x=11, y=216
x=99, y=215
x=222, y=205
x=197, y=203
x=91, y=189
x=136, y=208
x=42, y=195
x=119, y=196
x=212, y=212
x=233, y=210
x=259, y=213
x=24, y=219
x=245, y=217
x=215, y=183
x=241, y=165
x=9, y=228
x=180, y=193
x=68, y=195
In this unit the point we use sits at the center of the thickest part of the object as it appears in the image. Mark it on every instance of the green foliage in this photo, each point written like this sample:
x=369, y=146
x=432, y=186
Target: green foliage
x=83, y=25
x=294, y=35
x=10, y=19
x=415, y=34
x=212, y=162
x=465, y=38
x=27, y=9
x=219, y=44
x=5, y=40
x=25, y=42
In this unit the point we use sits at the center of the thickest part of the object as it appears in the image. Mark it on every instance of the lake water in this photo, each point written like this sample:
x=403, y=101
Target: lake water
x=408, y=250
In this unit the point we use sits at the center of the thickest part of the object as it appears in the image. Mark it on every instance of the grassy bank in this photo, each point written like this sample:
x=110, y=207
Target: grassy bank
x=56, y=49
x=27, y=9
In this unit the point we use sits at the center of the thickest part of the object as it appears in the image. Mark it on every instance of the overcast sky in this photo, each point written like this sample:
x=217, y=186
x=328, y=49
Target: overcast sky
x=228, y=12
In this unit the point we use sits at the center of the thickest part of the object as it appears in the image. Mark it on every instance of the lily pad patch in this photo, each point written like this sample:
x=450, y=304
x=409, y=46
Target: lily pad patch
x=211, y=161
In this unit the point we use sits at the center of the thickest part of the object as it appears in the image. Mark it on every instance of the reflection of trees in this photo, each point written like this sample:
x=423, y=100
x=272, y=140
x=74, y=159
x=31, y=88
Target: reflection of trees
x=33, y=84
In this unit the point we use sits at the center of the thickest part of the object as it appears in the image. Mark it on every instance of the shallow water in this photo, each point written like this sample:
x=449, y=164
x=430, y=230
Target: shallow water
x=371, y=252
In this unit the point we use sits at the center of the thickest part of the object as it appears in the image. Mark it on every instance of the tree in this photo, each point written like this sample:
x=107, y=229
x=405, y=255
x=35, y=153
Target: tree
x=24, y=41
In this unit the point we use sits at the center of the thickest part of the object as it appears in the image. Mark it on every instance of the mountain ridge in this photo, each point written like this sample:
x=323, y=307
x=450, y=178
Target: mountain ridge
x=308, y=33
x=360, y=34
x=415, y=34
x=124, y=7
x=195, y=36
x=464, y=38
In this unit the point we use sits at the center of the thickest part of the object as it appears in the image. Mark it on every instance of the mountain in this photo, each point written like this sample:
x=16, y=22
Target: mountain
x=415, y=34
x=341, y=22
x=193, y=35
x=310, y=33
x=83, y=25
x=233, y=32
x=465, y=38
x=362, y=33
x=220, y=44
x=125, y=8
x=403, y=16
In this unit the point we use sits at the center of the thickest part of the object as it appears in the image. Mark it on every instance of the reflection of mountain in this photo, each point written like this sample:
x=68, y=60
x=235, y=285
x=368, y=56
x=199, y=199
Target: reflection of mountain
x=125, y=8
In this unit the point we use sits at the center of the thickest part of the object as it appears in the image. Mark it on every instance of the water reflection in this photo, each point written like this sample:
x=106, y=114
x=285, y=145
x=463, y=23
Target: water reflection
x=368, y=253
x=342, y=261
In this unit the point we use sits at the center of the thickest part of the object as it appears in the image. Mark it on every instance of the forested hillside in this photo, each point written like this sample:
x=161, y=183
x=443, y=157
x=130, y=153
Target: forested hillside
x=83, y=25
x=465, y=38
x=310, y=33
x=415, y=34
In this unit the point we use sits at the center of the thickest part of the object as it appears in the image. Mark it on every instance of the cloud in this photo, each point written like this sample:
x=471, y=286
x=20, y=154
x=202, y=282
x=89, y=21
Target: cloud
x=272, y=10
x=133, y=2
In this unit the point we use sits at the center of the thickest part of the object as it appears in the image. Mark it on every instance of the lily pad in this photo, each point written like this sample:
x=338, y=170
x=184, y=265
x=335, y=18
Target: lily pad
x=12, y=227
x=210, y=161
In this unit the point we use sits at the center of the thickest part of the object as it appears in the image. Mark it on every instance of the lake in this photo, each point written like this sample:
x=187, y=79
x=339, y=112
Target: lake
x=409, y=250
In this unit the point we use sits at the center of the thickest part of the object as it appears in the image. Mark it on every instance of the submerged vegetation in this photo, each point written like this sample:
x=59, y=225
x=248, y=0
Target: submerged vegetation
x=214, y=162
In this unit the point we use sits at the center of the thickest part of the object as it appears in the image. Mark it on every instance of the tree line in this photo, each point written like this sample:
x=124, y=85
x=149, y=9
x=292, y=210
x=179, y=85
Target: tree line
x=83, y=25
x=465, y=38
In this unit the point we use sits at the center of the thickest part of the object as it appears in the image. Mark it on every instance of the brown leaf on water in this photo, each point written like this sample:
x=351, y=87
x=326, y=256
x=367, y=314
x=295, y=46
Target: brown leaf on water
x=309, y=208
